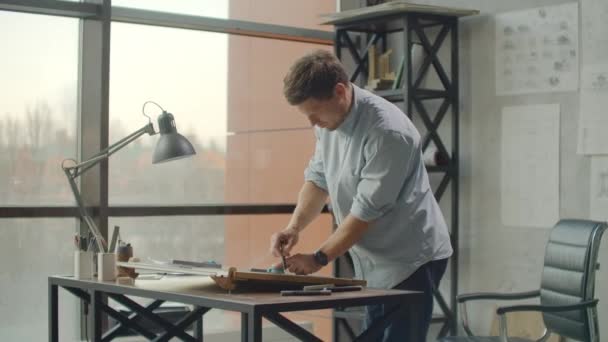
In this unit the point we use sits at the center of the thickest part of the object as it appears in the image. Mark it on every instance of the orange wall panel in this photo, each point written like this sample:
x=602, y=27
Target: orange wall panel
x=278, y=160
x=281, y=12
x=255, y=85
x=239, y=83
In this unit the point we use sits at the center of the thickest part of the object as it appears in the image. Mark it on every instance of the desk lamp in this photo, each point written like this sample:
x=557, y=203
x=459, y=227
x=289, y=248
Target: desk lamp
x=170, y=146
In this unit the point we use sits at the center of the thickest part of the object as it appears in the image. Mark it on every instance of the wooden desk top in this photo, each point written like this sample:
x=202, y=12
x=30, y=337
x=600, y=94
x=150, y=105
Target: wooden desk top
x=201, y=290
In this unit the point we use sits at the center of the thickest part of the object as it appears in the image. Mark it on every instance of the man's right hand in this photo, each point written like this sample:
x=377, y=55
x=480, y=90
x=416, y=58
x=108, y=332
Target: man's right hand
x=282, y=242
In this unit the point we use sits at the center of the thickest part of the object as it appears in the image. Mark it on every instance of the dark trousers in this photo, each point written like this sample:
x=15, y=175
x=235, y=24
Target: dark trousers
x=425, y=279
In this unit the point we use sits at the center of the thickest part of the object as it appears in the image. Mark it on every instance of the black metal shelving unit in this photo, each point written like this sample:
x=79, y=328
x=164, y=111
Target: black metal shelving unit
x=357, y=34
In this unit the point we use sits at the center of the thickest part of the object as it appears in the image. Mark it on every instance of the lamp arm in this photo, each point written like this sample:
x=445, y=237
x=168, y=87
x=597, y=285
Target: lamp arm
x=82, y=167
x=84, y=214
x=72, y=172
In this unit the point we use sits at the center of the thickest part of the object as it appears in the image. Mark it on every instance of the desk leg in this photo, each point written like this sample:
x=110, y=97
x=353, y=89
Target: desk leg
x=53, y=313
x=244, y=330
x=198, y=328
x=414, y=322
x=96, y=305
x=251, y=327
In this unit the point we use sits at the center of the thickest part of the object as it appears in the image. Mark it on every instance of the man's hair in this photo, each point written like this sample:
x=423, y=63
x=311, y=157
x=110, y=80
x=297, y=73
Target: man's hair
x=313, y=76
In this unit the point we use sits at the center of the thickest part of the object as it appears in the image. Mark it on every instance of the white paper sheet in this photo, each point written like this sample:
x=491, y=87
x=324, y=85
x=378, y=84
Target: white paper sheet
x=530, y=165
x=594, y=31
x=537, y=50
x=599, y=188
x=593, y=109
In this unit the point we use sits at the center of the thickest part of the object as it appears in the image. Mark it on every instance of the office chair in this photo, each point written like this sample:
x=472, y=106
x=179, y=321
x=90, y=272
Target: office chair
x=566, y=291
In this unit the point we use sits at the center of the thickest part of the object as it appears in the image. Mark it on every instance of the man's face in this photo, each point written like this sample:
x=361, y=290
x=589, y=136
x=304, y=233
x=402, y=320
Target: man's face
x=328, y=113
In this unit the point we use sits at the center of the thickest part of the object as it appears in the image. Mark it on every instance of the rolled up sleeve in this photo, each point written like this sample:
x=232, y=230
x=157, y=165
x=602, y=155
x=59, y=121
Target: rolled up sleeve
x=315, y=171
x=389, y=157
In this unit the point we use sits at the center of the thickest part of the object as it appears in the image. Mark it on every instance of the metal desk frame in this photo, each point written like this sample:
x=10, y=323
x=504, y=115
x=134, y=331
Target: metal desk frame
x=92, y=293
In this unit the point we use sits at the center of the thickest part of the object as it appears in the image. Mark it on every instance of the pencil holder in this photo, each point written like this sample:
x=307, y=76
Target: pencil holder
x=83, y=264
x=106, y=266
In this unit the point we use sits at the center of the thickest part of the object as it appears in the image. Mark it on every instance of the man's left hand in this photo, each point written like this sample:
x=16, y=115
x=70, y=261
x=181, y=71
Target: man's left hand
x=302, y=264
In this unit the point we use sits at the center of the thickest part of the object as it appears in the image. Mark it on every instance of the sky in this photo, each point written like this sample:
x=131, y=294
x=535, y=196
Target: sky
x=184, y=71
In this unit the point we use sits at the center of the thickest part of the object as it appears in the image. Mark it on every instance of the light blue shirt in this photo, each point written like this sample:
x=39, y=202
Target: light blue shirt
x=372, y=168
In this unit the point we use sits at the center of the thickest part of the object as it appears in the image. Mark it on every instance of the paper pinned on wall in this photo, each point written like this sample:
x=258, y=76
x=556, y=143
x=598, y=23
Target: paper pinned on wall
x=537, y=50
x=593, y=117
x=599, y=188
x=530, y=165
x=594, y=31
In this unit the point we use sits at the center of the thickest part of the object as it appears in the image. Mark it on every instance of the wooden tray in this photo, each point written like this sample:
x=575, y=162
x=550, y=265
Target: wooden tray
x=272, y=281
x=233, y=279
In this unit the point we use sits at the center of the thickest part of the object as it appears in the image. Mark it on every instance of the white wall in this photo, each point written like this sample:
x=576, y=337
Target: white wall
x=494, y=257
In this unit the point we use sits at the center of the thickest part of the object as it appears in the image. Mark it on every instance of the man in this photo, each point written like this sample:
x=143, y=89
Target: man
x=368, y=160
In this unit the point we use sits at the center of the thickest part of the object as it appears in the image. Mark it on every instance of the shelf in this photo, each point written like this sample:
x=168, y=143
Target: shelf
x=376, y=18
x=393, y=95
x=397, y=95
x=436, y=169
x=427, y=94
x=412, y=21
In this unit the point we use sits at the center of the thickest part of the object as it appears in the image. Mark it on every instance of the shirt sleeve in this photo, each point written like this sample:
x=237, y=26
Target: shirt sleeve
x=315, y=171
x=390, y=157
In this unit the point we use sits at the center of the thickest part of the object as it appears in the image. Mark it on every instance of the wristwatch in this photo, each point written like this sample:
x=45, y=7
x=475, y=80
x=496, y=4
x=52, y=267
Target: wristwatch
x=320, y=258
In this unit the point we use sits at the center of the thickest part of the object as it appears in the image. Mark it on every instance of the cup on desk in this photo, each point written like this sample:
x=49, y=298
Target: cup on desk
x=106, y=266
x=83, y=264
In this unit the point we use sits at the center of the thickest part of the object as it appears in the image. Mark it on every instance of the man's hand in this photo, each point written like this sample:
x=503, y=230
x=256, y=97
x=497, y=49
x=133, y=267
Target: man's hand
x=302, y=264
x=282, y=242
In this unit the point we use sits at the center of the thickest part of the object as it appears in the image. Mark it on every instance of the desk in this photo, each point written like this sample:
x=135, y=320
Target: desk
x=197, y=291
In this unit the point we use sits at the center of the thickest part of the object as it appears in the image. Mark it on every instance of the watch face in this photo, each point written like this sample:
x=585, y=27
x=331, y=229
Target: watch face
x=320, y=258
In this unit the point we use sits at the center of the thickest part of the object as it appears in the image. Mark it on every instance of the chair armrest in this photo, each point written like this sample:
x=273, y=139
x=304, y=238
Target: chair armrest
x=463, y=298
x=496, y=296
x=547, y=308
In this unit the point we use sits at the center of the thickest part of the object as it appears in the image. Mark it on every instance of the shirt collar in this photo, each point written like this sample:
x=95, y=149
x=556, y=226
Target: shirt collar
x=347, y=126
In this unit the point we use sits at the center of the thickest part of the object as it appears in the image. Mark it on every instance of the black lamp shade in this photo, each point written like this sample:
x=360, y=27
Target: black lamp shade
x=171, y=144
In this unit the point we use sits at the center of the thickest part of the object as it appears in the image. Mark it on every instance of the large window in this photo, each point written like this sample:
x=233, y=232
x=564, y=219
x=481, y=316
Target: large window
x=205, y=8
x=31, y=250
x=185, y=72
x=37, y=131
x=38, y=121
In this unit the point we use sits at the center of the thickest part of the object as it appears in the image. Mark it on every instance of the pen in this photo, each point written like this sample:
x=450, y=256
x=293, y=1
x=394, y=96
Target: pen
x=283, y=257
x=345, y=288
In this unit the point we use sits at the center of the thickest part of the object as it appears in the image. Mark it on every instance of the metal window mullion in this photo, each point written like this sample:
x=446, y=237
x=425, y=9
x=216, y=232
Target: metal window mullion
x=93, y=116
x=93, y=104
x=52, y=7
x=219, y=25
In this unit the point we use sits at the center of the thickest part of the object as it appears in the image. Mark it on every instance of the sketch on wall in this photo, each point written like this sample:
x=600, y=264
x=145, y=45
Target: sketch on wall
x=537, y=50
x=593, y=119
x=599, y=188
x=530, y=165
